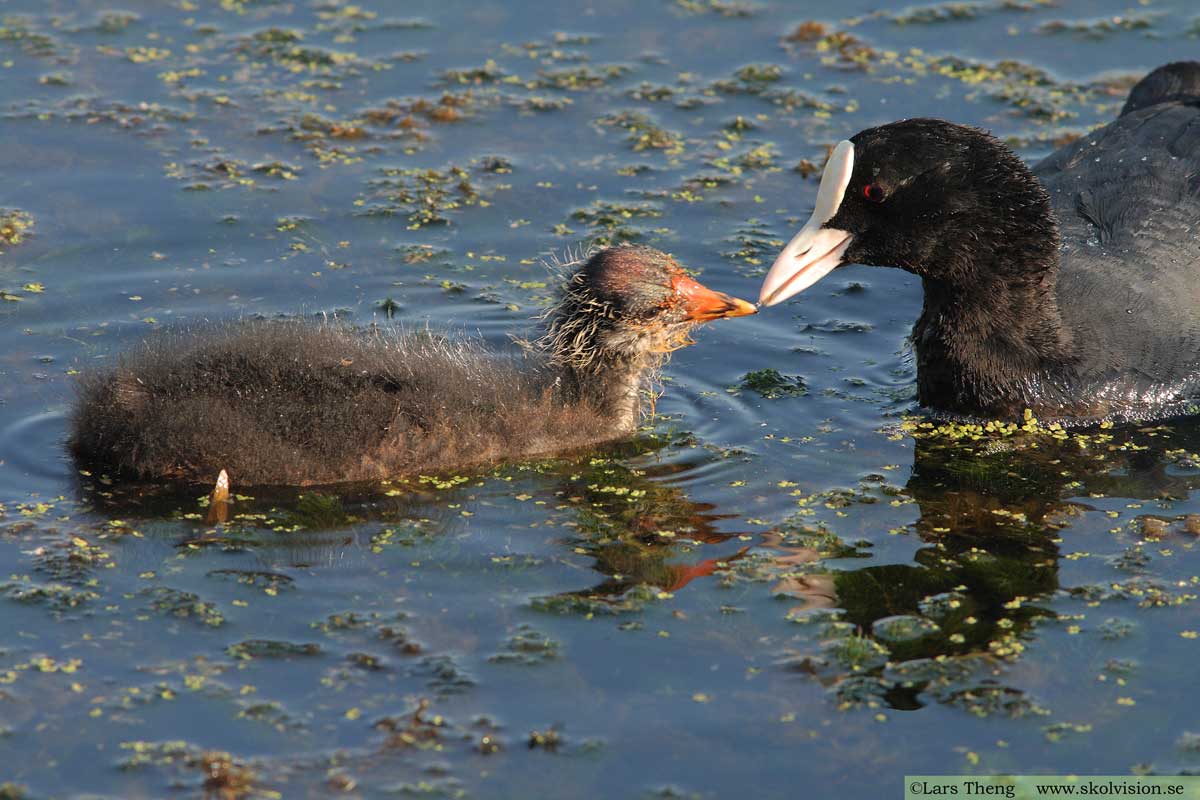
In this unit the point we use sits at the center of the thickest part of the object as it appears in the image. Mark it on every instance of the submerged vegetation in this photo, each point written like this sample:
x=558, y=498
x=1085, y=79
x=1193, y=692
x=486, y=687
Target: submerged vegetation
x=15, y=226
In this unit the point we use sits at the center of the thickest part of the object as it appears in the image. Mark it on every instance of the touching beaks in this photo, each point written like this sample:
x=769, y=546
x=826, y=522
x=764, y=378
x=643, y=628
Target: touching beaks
x=815, y=251
x=702, y=304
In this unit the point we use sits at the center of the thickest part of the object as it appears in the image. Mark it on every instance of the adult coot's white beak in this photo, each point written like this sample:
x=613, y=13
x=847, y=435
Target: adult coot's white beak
x=816, y=250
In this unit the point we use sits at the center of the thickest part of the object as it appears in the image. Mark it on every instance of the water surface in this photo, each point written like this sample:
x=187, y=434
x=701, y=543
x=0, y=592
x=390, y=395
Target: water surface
x=785, y=586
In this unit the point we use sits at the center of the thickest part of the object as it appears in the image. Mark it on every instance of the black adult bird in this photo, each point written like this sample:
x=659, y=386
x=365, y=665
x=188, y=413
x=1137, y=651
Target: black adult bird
x=291, y=403
x=1072, y=289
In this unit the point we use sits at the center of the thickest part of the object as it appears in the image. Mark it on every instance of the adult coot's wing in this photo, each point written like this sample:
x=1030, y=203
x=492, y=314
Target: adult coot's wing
x=1177, y=81
x=1133, y=183
x=1127, y=199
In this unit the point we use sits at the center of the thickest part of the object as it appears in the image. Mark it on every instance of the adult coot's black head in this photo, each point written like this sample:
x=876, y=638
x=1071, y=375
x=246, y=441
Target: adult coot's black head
x=1068, y=289
x=944, y=201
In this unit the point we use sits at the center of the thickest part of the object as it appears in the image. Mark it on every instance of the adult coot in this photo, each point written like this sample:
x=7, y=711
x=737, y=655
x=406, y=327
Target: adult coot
x=292, y=403
x=1072, y=289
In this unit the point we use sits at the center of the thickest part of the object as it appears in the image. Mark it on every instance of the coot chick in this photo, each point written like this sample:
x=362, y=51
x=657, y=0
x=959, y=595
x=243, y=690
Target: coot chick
x=279, y=403
x=1071, y=289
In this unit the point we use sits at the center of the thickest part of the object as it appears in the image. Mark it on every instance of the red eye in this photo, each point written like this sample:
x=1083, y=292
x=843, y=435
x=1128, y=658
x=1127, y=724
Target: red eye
x=873, y=192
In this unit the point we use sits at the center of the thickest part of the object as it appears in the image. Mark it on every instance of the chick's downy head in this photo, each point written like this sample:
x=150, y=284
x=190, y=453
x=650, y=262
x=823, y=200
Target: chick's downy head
x=628, y=302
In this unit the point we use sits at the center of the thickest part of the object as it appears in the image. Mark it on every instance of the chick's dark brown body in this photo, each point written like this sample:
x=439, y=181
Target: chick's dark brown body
x=276, y=403
x=288, y=403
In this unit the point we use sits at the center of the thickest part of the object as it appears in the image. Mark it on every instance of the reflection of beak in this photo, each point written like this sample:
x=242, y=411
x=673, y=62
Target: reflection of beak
x=702, y=304
x=816, y=250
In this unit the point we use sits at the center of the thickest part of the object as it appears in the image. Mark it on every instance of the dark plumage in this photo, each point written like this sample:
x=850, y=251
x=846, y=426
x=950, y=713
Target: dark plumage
x=1169, y=83
x=294, y=403
x=1071, y=289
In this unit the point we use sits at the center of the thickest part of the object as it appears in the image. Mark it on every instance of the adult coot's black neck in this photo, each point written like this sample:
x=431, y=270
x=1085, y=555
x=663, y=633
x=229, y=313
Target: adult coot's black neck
x=987, y=354
x=956, y=207
x=990, y=330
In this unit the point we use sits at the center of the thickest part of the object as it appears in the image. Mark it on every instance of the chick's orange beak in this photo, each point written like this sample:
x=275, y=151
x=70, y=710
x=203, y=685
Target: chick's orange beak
x=702, y=304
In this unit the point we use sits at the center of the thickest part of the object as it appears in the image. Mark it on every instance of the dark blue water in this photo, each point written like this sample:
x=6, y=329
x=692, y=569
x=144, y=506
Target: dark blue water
x=767, y=596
